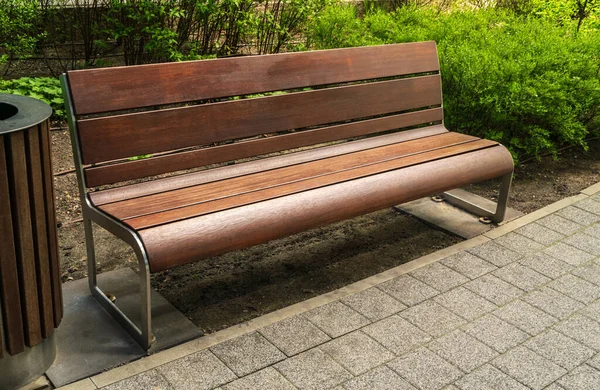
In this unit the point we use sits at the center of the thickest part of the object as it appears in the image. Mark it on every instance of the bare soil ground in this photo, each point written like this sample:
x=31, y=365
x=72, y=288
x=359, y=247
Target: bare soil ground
x=232, y=288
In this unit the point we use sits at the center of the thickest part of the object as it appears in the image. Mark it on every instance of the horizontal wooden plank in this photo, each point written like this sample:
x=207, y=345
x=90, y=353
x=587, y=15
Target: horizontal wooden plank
x=114, y=173
x=110, y=89
x=156, y=186
x=111, y=138
x=225, y=188
x=148, y=221
x=197, y=238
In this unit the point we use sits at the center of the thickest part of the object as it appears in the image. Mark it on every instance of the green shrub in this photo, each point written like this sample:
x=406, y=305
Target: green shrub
x=18, y=30
x=46, y=89
x=527, y=82
x=339, y=26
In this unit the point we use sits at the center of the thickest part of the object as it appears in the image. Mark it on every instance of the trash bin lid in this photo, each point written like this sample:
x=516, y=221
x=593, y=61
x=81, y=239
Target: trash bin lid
x=21, y=112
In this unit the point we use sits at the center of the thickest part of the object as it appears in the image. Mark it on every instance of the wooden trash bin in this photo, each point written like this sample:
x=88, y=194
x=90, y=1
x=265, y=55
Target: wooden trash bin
x=30, y=286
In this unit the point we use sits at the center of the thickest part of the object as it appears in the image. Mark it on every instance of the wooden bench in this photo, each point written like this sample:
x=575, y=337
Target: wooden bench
x=362, y=130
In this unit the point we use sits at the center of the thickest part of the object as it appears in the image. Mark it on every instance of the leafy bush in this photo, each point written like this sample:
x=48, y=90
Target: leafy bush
x=18, y=30
x=46, y=89
x=527, y=82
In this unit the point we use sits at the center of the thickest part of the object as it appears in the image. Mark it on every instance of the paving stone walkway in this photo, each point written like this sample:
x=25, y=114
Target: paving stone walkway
x=521, y=311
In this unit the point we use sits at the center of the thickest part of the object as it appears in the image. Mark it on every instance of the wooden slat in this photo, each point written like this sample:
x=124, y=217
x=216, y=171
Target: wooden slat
x=114, y=173
x=9, y=280
x=173, y=215
x=137, y=190
x=40, y=233
x=48, y=176
x=102, y=90
x=210, y=191
x=111, y=138
x=193, y=239
x=24, y=240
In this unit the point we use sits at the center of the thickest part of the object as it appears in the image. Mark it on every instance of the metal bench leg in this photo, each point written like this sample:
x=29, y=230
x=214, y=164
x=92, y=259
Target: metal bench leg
x=495, y=216
x=144, y=335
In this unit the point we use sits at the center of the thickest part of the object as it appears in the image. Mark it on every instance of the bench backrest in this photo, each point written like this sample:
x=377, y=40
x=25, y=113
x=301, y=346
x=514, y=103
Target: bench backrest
x=198, y=113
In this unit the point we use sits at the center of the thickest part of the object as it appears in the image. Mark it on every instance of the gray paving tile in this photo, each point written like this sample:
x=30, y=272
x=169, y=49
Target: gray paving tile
x=397, y=334
x=425, y=369
x=146, y=380
x=267, y=379
x=539, y=233
x=589, y=271
x=496, y=333
x=200, y=370
x=595, y=361
x=584, y=242
x=336, y=319
x=451, y=387
x=589, y=205
x=523, y=277
x=528, y=367
x=247, y=353
x=568, y=254
x=593, y=230
x=546, y=265
x=432, y=318
x=560, y=224
x=468, y=264
x=462, y=350
x=554, y=386
x=519, y=243
x=494, y=289
x=489, y=378
x=560, y=349
x=439, y=276
x=576, y=288
x=525, y=317
x=357, y=352
x=592, y=310
x=578, y=215
x=582, y=378
x=313, y=369
x=374, y=304
x=381, y=378
x=294, y=335
x=495, y=253
x=465, y=303
x=553, y=302
x=408, y=290
x=582, y=329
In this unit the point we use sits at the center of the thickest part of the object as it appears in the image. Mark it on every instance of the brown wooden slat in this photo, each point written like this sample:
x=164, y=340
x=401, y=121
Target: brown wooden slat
x=40, y=233
x=48, y=177
x=193, y=239
x=110, y=138
x=150, y=85
x=24, y=240
x=9, y=280
x=210, y=191
x=173, y=215
x=196, y=178
x=114, y=173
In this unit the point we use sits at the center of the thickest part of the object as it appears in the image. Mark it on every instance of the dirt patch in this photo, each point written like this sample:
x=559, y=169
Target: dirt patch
x=232, y=288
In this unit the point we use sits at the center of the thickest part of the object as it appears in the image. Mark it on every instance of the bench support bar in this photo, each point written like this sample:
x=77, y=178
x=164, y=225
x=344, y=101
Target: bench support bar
x=142, y=335
x=496, y=216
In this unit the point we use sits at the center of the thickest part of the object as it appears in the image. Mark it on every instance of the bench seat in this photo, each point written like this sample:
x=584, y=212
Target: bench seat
x=229, y=209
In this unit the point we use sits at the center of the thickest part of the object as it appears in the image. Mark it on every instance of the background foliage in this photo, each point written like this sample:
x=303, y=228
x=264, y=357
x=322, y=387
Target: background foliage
x=523, y=72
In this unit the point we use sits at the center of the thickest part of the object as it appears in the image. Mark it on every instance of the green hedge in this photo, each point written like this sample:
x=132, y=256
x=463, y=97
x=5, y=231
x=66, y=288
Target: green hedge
x=526, y=82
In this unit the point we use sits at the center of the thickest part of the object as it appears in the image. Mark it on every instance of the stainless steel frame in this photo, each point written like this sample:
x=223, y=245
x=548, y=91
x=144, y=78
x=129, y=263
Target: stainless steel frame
x=496, y=216
x=142, y=334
